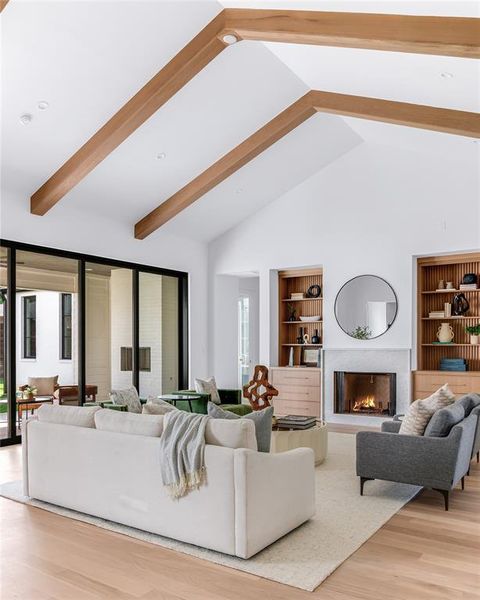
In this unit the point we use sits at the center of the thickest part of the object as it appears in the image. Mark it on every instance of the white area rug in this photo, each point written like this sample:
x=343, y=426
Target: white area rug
x=305, y=557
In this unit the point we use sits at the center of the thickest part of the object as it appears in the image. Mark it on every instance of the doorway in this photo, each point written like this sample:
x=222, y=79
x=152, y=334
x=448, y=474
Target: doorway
x=248, y=328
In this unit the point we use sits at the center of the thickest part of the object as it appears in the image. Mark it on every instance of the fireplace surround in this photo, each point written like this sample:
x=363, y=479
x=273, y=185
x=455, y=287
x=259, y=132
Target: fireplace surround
x=365, y=393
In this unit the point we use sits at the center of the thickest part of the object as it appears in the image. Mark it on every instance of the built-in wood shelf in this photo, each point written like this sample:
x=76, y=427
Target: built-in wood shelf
x=452, y=292
x=450, y=318
x=452, y=345
x=298, y=281
x=301, y=322
x=430, y=271
x=301, y=299
x=304, y=345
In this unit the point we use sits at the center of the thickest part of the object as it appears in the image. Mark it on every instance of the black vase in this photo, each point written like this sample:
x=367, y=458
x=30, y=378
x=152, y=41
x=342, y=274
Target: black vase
x=460, y=305
x=315, y=338
x=300, y=339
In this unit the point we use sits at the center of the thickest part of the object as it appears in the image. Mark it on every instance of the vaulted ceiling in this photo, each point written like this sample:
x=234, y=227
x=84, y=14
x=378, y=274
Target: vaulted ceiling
x=88, y=59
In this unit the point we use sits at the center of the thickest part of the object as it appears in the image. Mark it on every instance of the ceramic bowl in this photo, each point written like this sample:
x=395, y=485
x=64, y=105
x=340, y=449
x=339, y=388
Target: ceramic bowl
x=310, y=319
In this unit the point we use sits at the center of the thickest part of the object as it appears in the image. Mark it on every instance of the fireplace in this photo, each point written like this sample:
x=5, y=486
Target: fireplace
x=365, y=394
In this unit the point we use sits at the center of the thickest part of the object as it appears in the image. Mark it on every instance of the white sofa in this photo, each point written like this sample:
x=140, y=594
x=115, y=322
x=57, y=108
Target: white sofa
x=250, y=498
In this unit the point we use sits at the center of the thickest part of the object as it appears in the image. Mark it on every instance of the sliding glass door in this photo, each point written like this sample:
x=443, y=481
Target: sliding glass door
x=158, y=357
x=75, y=327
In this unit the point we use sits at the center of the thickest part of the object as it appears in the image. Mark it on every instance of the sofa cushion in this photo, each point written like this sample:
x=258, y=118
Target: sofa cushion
x=208, y=386
x=45, y=386
x=128, y=396
x=420, y=412
x=157, y=407
x=238, y=433
x=80, y=416
x=469, y=402
x=126, y=422
x=444, y=419
x=261, y=418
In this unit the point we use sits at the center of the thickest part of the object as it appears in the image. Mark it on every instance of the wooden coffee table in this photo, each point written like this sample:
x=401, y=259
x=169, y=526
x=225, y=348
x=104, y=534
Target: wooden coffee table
x=315, y=438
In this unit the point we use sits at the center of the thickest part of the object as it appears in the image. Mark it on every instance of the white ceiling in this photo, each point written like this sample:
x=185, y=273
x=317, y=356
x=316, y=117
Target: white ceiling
x=88, y=58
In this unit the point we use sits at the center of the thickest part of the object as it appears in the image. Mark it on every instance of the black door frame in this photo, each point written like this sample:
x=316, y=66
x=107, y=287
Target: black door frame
x=82, y=259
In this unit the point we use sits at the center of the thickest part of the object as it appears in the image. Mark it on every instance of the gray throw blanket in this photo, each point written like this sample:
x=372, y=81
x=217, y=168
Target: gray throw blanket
x=182, y=448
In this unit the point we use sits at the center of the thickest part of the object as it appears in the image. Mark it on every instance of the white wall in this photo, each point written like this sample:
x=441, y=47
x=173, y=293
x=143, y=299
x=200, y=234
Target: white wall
x=47, y=362
x=371, y=211
x=68, y=229
x=97, y=334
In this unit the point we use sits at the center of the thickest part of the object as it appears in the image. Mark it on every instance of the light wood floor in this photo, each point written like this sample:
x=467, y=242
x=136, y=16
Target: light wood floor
x=421, y=553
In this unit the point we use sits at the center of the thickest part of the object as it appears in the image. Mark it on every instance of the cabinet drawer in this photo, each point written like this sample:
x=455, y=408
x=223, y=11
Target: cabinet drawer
x=298, y=392
x=296, y=377
x=292, y=407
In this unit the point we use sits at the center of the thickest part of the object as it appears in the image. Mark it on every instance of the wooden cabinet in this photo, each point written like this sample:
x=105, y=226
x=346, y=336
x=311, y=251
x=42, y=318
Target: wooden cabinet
x=299, y=390
x=424, y=383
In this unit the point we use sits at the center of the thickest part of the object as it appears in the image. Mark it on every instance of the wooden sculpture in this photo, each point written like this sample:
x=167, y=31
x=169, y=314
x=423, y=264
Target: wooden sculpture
x=259, y=391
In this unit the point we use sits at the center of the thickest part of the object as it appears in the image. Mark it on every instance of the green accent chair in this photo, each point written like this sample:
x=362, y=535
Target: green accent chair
x=230, y=400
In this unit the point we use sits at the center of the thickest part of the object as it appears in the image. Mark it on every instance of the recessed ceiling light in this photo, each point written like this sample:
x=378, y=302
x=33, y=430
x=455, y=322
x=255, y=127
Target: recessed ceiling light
x=229, y=39
x=161, y=156
x=42, y=105
x=25, y=119
x=446, y=75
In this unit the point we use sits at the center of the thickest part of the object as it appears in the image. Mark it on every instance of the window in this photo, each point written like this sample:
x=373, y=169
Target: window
x=126, y=358
x=66, y=327
x=29, y=326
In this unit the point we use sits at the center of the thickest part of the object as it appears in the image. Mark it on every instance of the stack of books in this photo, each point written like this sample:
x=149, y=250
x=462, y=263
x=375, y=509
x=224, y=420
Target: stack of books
x=453, y=364
x=468, y=286
x=296, y=422
x=436, y=314
x=297, y=296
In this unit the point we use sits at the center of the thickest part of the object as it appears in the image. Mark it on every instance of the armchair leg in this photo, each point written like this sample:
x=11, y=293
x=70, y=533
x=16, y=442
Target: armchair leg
x=445, y=494
x=463, y=483
x=362, y=483
x=478, y=456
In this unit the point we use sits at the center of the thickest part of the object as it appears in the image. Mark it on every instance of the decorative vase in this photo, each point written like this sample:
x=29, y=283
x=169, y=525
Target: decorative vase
x=474, y=340
x=445, y=333
x=290, y=357
x=315, y=338
x=460, y=305
x=300, y=336
x=293, y=316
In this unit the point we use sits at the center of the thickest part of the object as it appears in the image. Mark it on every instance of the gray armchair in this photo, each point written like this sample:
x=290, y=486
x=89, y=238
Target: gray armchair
x=438, y=463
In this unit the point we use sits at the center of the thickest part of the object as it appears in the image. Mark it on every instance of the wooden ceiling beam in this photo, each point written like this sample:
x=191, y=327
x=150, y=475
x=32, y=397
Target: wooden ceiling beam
x=445, y=120
x=374, y=109
x=283, y=123
x=3, y=4
x=450, y=36
x=196, y=55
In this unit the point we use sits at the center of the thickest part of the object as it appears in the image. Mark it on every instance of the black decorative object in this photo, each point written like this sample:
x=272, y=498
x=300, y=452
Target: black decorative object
x=460, y=305
x=292, y=313
x=300, y=339
x=315, y=338
x=314, y=291
x=469, y=278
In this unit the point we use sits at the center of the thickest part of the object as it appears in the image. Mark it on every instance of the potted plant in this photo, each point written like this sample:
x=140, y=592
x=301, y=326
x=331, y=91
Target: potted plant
x=28, y=392
x=474, y=331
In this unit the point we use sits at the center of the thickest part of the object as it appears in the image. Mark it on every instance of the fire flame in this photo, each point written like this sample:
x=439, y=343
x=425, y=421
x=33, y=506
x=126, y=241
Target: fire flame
x=367, y=402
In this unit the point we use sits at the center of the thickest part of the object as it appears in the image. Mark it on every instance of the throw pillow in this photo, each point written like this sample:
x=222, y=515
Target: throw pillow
x=124, y=422
x=444, y=419
x=79, y=416
x=420, y=412
x=128, y=397
x=261, y=418
x=208, y=386
x=157, y=407
x=469, y=402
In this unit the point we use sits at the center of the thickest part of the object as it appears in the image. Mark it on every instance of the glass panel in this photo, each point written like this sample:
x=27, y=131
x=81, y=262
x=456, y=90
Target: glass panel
x=158, y=334
x=243, y=340
x=43, y=375
x=109, y=330
x=3, y=345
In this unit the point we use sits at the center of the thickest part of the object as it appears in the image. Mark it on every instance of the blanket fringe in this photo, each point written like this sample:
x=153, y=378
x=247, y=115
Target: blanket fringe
x=188, y=482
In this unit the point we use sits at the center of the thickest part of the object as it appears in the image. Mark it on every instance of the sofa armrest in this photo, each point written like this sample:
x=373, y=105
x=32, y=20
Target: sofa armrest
x=274, y=493
x=230, y=396
x=391, y=426
x=425, y=461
